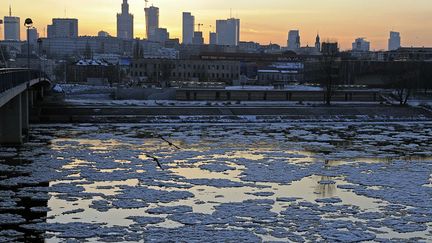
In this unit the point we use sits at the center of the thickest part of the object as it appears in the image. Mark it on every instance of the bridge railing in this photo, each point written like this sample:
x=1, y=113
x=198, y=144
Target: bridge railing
x=12, y=77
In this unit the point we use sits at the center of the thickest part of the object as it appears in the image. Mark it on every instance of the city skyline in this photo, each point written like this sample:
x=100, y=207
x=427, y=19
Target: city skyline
x=261, y=22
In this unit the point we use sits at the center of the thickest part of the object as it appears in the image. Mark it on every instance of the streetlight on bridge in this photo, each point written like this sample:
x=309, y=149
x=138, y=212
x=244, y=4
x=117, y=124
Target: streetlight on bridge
x=28, y=23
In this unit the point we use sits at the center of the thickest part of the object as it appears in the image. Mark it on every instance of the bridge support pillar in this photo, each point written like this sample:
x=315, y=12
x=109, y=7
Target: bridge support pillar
x=40, y=92
x=31, y=98
x=25, y=113
x=11, y=122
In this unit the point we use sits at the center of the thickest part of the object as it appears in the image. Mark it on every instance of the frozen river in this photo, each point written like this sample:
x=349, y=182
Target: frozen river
x=345, y=182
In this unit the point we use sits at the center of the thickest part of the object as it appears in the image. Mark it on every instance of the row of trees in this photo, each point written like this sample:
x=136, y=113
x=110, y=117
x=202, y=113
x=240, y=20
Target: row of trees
x=405, y=78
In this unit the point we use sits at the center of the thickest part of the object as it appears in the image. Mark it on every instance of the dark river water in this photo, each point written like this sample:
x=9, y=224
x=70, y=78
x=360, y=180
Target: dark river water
x=346, y=182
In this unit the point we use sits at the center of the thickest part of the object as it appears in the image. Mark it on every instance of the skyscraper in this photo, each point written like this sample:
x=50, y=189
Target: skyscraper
x=63, y=28
x=161, y=35
x=152, y=22
x=394, y=42
x=228, y=32
x=360, y=44
x=33, y=35
x=125, y=22
x=212, y=38
x=293, y=40
x=11, y=27
x=188, y=27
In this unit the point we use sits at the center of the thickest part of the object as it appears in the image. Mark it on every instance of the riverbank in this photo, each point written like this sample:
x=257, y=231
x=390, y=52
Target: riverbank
x=225, y=114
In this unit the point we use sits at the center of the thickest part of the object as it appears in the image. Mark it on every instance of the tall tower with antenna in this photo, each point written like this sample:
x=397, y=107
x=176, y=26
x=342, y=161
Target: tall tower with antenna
x=125, y=23
x=12, y=27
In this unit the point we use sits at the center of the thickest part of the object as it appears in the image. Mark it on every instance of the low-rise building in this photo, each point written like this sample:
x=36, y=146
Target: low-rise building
x=280, y=74
x=93, y=72
x=61, y=47
x=160, y=71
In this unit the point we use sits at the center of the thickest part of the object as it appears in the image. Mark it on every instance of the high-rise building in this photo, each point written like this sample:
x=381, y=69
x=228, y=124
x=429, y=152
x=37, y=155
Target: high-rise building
x=228, y=32
x=33, y=35
x=198, y=38
x=394, y=42
x=125, y=22
x=361, y=45
x=63, y=28
x=293, y=43
x=188, y=27
x=212, y=38
x=161, y=35
x=152, y=22
x=318, y=43
x=11, y=27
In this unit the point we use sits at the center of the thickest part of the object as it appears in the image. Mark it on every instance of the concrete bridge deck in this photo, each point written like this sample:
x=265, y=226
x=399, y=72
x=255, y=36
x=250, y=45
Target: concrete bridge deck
x=19, y=88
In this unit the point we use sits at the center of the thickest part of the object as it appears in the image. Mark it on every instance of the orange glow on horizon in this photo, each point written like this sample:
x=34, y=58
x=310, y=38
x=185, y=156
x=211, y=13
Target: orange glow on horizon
x=263, y=22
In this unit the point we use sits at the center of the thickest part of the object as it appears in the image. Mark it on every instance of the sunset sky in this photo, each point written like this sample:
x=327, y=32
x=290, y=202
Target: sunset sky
x=261, y=21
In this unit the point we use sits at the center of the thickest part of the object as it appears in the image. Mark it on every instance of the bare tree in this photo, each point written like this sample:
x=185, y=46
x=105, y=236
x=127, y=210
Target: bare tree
x=403, y=80
x=138, y=51
x=329, y=65
x=4, y=54
x=426, y=76
x=165, y=72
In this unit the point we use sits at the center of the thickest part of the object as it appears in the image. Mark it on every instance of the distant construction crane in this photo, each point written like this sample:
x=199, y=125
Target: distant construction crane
x=199, y=26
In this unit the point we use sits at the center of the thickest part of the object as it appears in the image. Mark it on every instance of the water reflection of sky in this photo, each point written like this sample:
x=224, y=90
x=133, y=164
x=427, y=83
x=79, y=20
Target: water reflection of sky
x=218, y=166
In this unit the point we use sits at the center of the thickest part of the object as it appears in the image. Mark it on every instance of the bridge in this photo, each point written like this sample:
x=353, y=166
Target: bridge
x=19, y=90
